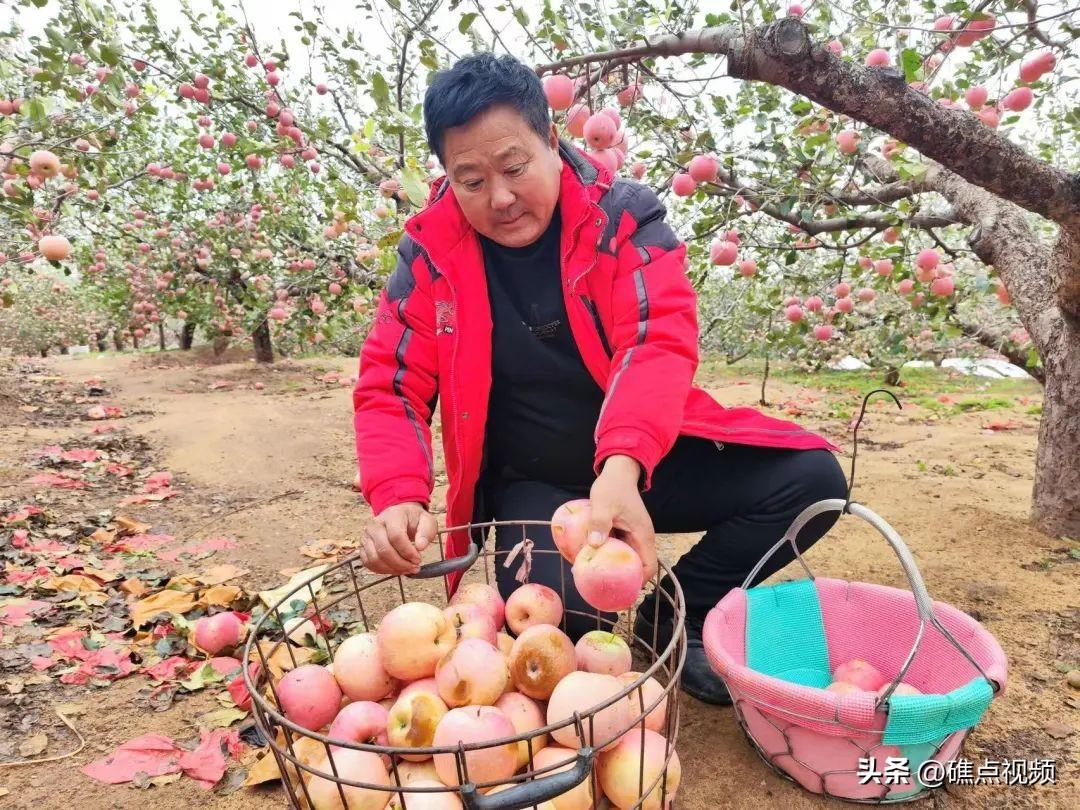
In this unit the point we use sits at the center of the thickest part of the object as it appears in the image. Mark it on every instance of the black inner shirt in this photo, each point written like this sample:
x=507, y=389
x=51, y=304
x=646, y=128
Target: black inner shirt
x=544, y=403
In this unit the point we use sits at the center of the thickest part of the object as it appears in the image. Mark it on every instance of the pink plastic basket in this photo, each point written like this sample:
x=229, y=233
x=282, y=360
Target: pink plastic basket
x=818, y=737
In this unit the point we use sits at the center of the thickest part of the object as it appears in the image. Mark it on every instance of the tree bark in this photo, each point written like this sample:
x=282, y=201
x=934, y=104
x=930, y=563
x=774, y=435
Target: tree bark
x=63, y=350
x=1057, y=462
x=99, y=339
x=161, y=335
x=44, y=352
x=264, y=348
x=187, y=336
x=118, y=340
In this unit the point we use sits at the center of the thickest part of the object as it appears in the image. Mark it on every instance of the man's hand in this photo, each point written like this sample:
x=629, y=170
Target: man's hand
x=393, y=541
x=617, y=510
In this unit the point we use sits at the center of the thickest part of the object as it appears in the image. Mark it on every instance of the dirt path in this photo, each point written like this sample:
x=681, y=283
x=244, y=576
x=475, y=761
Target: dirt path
x=272, y=468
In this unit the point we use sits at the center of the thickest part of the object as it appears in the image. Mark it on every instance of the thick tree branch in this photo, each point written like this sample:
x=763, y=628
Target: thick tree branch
x=1002, y=345
x=783, y=54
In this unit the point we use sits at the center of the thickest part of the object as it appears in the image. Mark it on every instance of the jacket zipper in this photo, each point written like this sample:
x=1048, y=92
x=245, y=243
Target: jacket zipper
x=453, y=358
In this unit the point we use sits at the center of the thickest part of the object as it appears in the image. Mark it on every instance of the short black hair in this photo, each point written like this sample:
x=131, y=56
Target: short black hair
x=457, y=95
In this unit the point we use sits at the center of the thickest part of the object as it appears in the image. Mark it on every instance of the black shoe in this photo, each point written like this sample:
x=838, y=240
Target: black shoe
x=698, y=679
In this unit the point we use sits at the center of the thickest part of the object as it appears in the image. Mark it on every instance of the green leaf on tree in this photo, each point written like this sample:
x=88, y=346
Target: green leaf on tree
x=911, y=62
x=380, y=90
x=466, y=21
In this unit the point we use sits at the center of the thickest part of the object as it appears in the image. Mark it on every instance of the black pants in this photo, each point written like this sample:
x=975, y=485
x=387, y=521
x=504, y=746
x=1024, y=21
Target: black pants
x=743, y=498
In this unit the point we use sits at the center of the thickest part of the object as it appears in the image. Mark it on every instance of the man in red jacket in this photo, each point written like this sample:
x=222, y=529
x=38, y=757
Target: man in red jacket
x=544, y=304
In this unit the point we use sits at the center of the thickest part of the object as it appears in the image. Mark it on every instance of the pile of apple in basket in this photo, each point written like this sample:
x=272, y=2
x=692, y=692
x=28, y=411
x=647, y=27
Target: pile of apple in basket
x=431, y=677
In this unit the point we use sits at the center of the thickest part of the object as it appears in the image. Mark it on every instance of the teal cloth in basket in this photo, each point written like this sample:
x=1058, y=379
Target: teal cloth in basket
x=785, y=635
x=917, y=719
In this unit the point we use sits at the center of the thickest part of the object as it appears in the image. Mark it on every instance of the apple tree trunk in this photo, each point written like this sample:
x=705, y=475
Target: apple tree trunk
x=264, y=348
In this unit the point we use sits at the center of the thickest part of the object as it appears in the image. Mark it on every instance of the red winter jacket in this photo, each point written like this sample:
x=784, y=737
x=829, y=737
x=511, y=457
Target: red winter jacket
x=633, y=314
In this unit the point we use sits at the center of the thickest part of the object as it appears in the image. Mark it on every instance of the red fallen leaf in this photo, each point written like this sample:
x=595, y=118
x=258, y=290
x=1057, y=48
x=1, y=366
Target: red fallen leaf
x=41, y=663
x=158, y=481
x=48, y=547
x=157, y=496
x=81, y=454
x=141, y=542
x=1003, y=425
x=225, y=665
x=206, y=764
x=103, y=664
x=70, y=481
x=69, y=644
x=213, y=544
x=22, y=514
x=169, y=669
x=71, y=561
x=20, y=538
x=18, y=614
x=119, y=470
x=238, y=690
x=152, y=754
x=21, y=577
x=99, y=429
x=50, y=450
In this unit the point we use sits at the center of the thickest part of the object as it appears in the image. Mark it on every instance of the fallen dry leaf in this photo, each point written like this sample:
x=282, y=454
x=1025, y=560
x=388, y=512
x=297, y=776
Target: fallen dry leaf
x=221, y=718
x=71, y=709
x=219, y=596
x=133, y=586
x=33, y=745
x=218, y=574
x=307, y=750
x=104, y=536
x=162, y=602
x=152, y=754
x=128, y=525
x=1058, y=730
x=72, y=582
x=271, y=597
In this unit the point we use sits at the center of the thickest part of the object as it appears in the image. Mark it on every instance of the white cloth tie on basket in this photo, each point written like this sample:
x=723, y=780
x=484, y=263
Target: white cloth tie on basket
x=525, y=545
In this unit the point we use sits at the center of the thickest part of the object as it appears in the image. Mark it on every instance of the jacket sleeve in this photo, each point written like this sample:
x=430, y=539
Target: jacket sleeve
x=654, y=337
x=397, y=388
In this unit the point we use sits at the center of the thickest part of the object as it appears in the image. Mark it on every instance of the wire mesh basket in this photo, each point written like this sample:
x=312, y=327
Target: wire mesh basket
x=776, y=646
x=355, y=597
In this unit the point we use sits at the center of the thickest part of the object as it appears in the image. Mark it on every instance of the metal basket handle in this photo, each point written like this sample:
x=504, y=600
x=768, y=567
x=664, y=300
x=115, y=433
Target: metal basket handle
x=923, y=602
x=538, y=791
x=441, y=568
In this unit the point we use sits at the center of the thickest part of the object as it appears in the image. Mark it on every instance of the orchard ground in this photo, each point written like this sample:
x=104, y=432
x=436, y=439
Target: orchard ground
x=272, y=467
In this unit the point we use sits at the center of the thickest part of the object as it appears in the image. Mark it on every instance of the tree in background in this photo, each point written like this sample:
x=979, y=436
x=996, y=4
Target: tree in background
x=887, y=180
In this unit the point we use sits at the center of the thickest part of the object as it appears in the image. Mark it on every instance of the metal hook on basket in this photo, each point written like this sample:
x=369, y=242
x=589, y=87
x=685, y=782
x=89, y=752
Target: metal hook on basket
x=855, y=441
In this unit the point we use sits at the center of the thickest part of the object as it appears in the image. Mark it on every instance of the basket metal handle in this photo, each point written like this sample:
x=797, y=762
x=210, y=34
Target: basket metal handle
x=923, y=602
x=441, y=568
x=922, y=597
x=539, y=790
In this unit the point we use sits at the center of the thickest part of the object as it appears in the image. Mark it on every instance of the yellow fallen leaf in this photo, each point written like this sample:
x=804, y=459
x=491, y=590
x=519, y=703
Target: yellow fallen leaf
x=71, y=709
x=270, y=598
x=280, y=661
x=306, y=749
x=219, y=595
x=103, y=535
x=221, y=718
x=133, y=586
x=220, y=573
x=128, y=525
x=73, y=582
x=33, y=745
x=162, y=602
x=104, y=576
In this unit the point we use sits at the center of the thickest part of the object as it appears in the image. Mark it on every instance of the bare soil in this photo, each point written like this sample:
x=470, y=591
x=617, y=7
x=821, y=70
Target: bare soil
x=272, y=468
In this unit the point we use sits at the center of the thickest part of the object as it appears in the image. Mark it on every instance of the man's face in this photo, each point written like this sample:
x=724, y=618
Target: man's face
x=505, y=177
